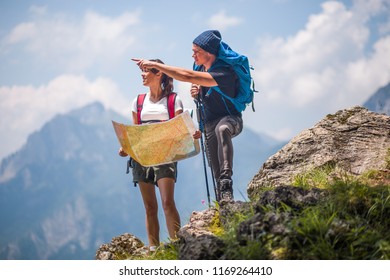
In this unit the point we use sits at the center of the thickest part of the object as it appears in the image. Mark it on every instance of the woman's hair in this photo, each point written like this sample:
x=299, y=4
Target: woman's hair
x=166, y=81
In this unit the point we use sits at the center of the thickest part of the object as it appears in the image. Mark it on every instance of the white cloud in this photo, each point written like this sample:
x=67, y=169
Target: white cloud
x=22, y=32
x=75, y=45
x=221, y=21
x=325, y=66
x=25, y=109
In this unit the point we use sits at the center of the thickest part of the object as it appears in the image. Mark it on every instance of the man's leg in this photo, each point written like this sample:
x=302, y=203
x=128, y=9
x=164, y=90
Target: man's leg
x=227, y=128
x=211, y=146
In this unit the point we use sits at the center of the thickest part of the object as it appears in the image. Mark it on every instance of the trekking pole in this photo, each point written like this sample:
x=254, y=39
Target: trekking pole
x=203, y=152
x=203, y=129
x=217, y=198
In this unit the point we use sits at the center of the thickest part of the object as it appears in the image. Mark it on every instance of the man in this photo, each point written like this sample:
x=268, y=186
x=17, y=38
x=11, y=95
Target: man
x=221, y=119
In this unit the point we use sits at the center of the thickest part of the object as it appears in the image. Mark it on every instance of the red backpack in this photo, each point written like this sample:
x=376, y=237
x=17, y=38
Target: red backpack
x=170, y=100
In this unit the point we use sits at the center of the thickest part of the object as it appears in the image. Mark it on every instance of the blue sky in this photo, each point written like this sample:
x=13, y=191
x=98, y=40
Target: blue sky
x=311, y=57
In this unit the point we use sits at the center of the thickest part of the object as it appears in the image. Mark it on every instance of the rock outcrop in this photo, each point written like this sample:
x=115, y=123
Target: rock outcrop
x=120, y=247
x=355, y=140
x=198, y=242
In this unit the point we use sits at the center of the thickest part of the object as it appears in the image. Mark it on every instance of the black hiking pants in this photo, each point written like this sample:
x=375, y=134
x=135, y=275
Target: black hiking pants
x=219, y=146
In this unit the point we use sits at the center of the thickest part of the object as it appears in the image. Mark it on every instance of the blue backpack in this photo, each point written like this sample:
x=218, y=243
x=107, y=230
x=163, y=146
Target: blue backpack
x=240, y=64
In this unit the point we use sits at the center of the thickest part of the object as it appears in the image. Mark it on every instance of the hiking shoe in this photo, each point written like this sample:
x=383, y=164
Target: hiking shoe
x=225, y=190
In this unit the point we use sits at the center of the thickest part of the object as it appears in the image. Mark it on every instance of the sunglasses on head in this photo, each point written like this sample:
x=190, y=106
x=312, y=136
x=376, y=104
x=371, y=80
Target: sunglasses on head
x=153, y=70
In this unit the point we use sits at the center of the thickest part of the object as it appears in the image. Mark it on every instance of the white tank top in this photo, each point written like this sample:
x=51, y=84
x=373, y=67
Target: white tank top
x=156, y=111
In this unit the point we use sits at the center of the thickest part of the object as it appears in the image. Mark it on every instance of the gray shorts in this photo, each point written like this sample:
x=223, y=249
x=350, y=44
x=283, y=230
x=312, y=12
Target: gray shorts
x=153, y=173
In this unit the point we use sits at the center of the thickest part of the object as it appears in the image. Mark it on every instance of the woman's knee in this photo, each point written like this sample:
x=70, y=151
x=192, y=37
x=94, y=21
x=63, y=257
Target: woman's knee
x=151, y=209
x=168, y=205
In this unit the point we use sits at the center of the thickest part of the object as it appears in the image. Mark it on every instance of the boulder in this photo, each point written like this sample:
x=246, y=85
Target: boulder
x=354, y=140
x=197, y=242
x=121, y=247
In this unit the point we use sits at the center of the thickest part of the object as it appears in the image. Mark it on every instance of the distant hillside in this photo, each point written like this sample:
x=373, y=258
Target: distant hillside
x=380, y=101
x=66, y=192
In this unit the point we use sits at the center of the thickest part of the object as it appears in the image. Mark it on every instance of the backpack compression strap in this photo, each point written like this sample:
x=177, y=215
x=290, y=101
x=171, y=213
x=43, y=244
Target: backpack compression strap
x=170, y=105
x=140, y=104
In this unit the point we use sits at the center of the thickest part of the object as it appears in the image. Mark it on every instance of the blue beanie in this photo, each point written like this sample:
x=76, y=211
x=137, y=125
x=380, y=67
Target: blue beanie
x=209, y=41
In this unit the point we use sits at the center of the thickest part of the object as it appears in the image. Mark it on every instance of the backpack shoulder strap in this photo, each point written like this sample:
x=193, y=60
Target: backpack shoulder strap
x=171, y=104
x=140, y=104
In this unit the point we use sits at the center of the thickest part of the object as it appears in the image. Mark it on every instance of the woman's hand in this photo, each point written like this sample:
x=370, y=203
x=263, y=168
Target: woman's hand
x=122, y=152
x=197, y=134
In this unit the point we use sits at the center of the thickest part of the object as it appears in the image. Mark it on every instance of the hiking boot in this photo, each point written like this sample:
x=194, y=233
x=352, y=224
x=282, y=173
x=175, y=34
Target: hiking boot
x=225, y=190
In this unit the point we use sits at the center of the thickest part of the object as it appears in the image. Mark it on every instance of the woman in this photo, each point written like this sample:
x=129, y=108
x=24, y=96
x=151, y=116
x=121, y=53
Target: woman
x=155, y=109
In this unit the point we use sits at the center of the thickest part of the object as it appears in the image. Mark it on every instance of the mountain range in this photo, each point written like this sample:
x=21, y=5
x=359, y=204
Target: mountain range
x=65, y=192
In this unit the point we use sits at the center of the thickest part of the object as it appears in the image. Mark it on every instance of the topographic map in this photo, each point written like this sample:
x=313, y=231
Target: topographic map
x=159, y=143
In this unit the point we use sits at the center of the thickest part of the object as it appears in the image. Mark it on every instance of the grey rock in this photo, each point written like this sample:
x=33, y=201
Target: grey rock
x=228, y=209
x=354, y=140
x=294, y=197
x=275, y=222
x=254, y=228
x=120, y=247
x=197, y=242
